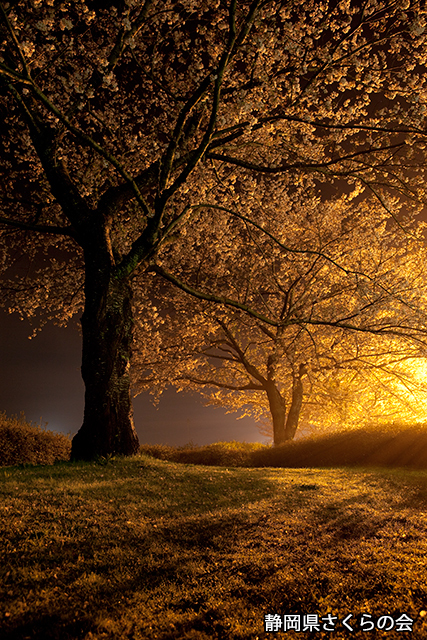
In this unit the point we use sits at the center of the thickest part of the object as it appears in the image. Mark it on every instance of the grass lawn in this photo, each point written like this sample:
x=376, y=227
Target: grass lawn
x=146, y=548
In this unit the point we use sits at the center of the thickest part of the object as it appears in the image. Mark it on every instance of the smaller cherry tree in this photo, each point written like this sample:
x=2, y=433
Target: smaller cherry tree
x=336, y=326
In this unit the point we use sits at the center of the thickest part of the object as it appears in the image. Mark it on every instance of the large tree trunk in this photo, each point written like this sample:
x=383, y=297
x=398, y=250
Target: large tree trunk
x=296, y=404
x=107, y=325
x=278, y=412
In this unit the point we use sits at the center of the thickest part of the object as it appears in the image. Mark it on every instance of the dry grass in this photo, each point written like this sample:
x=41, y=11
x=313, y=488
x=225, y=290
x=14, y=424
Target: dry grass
x=392, y=447
x=26, y=443
x=144, y=548
x=220, y=454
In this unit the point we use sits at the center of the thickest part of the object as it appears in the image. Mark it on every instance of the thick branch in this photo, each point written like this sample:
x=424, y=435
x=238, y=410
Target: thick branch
x=222, y=385
x=321, y=124
x=298, y=165
x=62, y=187
x=39, y=228
x=250, y=368
x=125, y=36
x=94, y=145
x=167, y=162
x=399, y=330
x=9, y=73
x=25, y=67
x=122, y=39
x=210, y=296
x=234, y=41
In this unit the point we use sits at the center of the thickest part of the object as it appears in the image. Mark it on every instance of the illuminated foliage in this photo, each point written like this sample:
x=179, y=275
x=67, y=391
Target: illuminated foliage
x=123, y=120
x=345, y=294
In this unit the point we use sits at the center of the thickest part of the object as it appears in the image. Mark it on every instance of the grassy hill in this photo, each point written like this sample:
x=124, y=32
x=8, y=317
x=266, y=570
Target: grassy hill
x=394, y=446
x=389, y=447
x=143, y=548
x=25, y=443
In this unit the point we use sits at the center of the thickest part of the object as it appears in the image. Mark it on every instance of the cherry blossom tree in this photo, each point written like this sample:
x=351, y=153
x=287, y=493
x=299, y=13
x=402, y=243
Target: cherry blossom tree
x=123, y=120
x=344, y=293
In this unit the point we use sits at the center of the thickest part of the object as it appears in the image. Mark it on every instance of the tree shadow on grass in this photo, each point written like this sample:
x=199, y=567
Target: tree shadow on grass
x=196, y=573
x=122, y=560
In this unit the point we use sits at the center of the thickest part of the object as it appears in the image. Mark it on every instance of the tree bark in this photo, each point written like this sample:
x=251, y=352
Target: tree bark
x=296, y=404
x=107, y=326
x=278, y=412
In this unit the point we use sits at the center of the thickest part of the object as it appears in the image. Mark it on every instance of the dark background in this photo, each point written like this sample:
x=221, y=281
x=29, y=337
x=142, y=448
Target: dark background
x=41, y=377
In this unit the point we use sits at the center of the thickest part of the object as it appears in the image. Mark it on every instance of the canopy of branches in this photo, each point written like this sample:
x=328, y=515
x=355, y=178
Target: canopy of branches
x=197, y=142
x=346, y=295
x=154, y=109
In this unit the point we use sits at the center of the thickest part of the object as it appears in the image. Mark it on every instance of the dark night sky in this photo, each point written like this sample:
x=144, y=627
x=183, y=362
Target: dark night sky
x=41, y=377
